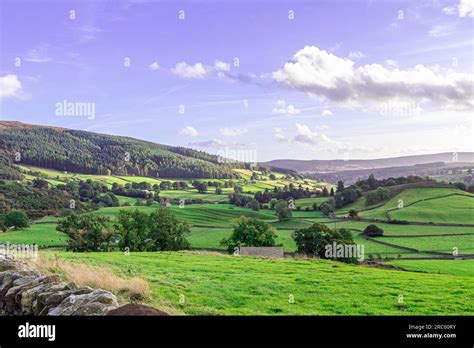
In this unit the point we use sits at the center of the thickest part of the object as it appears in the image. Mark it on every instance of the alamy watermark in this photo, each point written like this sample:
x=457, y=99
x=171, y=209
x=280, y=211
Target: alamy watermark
x=19, y=251
x=344, y=251
x=68, y=108
x=229, y=155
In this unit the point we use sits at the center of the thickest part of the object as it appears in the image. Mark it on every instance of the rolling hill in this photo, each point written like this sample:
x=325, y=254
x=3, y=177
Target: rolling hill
x=92, y=153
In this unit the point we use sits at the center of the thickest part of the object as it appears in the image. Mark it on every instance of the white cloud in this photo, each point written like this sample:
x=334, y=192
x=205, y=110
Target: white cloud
x=466, y=8
x=10, y=87
x=213, y=143
x=38, y=54
x=282, y=108
x=196, y=71
x=88, y=33
x=221, y=66
x=326, y=75
x=304, y=135
x=391, y=63
x=450, y=10
x=326, y=113
x=233, y=132
x=355, y=55
x=154, y=66
x=440, y=31
x=189, y=131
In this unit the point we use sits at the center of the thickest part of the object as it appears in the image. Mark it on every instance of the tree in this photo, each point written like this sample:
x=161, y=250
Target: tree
x=326, y=208
x=379, y=195
x=132, y=230
x=282, y=210
x=313, y=240
x=218, y=191
x=167, y=232
x=332, y=192
x=86, y=232
x=340, y=186
x=353, y=214
x=346, y=197
x=254, y=205
x=460, y=185
x=372, y=182
x=325, y=192
x=373, y=231
x=16, y=219
x=40, y=183
x=272, y=176
x=250, y=232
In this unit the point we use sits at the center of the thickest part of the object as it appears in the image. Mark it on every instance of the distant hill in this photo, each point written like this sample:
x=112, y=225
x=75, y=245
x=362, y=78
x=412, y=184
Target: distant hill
x=333, y=166
x=92, y=153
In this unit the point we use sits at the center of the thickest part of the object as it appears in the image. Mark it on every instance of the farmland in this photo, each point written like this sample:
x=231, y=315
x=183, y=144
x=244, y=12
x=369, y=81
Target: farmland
x=210, y=284
x=206, y=275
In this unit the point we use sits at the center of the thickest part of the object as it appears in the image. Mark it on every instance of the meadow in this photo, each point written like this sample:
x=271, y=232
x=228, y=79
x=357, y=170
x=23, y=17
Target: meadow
x=200, y=283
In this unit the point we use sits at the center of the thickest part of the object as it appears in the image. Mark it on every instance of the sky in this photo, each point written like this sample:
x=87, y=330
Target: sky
x=354, y=79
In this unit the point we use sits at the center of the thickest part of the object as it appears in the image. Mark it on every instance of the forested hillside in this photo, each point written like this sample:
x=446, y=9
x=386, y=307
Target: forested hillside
x=92, y=153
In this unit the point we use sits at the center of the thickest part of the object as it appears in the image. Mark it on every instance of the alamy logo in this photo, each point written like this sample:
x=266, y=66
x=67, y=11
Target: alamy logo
x=37, y=331
x=67, y=108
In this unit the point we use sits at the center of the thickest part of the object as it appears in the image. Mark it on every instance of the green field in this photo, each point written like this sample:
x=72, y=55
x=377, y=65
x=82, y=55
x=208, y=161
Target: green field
x=452, y=209
x=39, y=234
x=308, y=202
x=233, y=285
x=454, y=267
x=445, y=208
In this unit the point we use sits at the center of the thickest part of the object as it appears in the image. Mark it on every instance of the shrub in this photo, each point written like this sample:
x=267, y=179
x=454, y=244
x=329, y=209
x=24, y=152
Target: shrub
x=254, y=205
x=86, y=232
x=282, y=210
x=250, y=232
x=326, y=208
x=314, y=240
x=379, y=195
x=17, y=219
x=460, y=185
x=373, y=231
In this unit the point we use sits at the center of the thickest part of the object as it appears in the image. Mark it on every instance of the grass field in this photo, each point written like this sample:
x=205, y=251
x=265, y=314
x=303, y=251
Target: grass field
x=39, y=234
x=308, y=202
x=454, y=267
x=436, y=210
x=453, y=209
x=209, y=238
x=233, y=285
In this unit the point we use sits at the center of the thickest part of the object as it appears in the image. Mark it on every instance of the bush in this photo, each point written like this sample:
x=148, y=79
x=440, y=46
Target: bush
x=160, y=230
x=315, y=240
x=460, y=185
x=379, y=195
x=353, y=214
x=17, y=219
x=254, y=205
x=86, y=232
x=250, y=232
x=282, y=210
x=326, y=208
x=373, y=231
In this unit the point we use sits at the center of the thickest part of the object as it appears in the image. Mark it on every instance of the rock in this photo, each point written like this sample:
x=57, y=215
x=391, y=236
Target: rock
x=97, y=302
x=23, y=291
x=57, y=297
x=135, y=309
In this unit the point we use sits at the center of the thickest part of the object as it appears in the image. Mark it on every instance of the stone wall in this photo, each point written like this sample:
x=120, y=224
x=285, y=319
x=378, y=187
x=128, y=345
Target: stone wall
x=275, y=252
x=24, y=291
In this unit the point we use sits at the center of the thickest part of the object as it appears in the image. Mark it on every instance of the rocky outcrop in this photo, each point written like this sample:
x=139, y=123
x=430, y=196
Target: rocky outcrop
x=136, y=309
x=24, y=291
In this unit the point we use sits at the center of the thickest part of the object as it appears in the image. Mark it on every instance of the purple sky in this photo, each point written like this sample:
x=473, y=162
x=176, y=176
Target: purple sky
x=291, y=79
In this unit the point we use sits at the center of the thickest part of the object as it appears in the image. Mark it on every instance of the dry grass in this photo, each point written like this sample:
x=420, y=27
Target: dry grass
x=134, y=289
